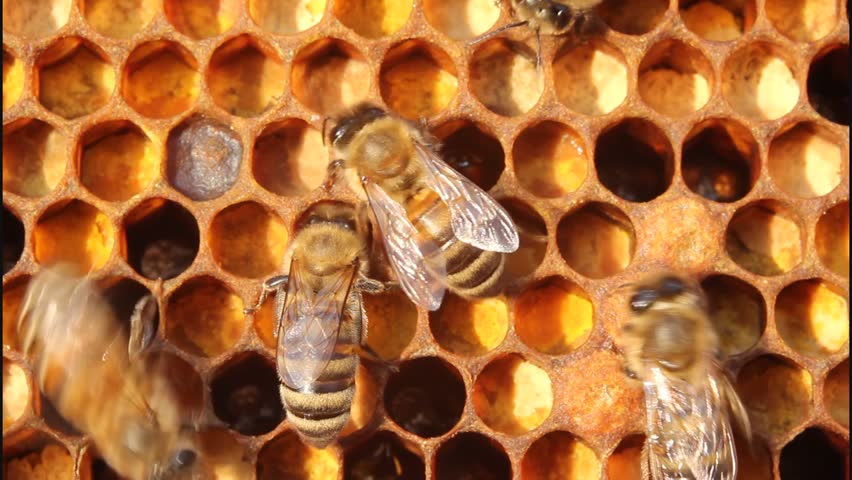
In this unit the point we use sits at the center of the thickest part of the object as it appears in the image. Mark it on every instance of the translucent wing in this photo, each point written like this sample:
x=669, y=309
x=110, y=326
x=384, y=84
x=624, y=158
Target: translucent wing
x=422, y=279
x=476, y=218
x=311, y=324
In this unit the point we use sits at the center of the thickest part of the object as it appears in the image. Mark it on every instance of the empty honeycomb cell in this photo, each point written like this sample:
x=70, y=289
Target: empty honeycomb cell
x=675, y=79
x=42, y=459
x=264, y=321
x=290, y=158
x=13, y=294
x=245, y=394
x=560, y=455
x=512, y=395
x=426, y=397
x=16, y=392
x=35, y=19
x=828, y=81
x=203, y=158
x=625, y=463
x=13, y=240
x=597, y=240
x=121, y=18
x=721, y=160
x=34, y=155
x=204, y=317
x=803, y=20
x=813, y=317
x=461, y=20
x=245, y=76
x=160, y=79
x=470, y=327
x=201, y=19
x=776, y=393
x=832, y=238
x=286, y=457
x=550, y=159
x=384, y=455
x=633, y=17
x=75, y=77
x=737, y=311
x=815, y=453
x=532, y=236
x=754, y=460
x=758, y=82
x=718, y=20
x=836, y=393
x=373, y=18
x=160, y=238
x=590, y=77
x=335, y=68
x=13, y=78
x=806, y=160
x=225, y=454
x=117, y=160
x=286, y=17
x=470, y=455
x=248, y=240
x=73, y=231
x=504, y=77
x=764, y=238
x=392, y=323
x=554, y=316
x=182, y=379
x=472, y=149
x=634, y=160
x=417, y=79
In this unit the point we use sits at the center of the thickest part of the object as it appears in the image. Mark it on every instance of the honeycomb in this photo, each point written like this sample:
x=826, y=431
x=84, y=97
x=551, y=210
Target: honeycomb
x=183, y=139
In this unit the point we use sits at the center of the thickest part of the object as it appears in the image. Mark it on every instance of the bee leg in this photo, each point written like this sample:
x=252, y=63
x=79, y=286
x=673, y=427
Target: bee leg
x=375, y=287
x=537, y=48
x=273, y=284
x=331, y=173
x=645, y=462
x=143, y=326
x=367, y=353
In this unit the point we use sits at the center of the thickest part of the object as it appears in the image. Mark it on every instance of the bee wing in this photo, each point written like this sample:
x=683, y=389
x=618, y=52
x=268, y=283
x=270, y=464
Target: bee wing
x=422, y=280
x=311, y=325
x=476, y=218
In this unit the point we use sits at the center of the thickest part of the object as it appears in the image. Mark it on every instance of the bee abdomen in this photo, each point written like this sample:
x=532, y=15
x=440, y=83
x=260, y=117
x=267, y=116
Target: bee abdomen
x=318, y=417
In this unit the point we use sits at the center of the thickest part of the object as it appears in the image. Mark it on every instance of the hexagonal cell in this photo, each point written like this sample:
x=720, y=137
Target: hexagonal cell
x=201, y=19
x=803, y=20
x=121, y=18
x=813, y=317
x=512, y=395
x=33, y=157
x=13, y=294
x=204, y=317
x=472, y=149
x=245, y=76
x=675, y=79
x=287, y=457
x=597, y=240
x=504, y=77
x=36, y=19
x=16, y=392
x=737, y=311
x=590, y=77
x=335, y=68
x=117, y=160
x=470, y=327
x=776, y=392
x=836, y=393
x=417, y=79
x=426, y=397
x=815, y=453
x=764, y=238
x=74, y=77
x=828, y=79
x=286, y=17
x=248, y=240
x=625, y=462
x=122, y=294
x=471, y=455
x=368, y=393
x=245, y=394
x=224, y=452
x=76, y=232
x=532, y=233
x=757, y=82
x=375, y=18
x=721, y=160
x=634, y=160
x=832, y=238
x=264, y=321
x=384, y=455
x=13, y=240
x=13, y=78
x=160, y=79
x=718, y=20
x=554, y=316
x=560, y=455
x=461, y=20
x=806, y=160
x=289, y=158
x=550, y=159
x=203, y=158
x=393, y=322
x=36, y=455
x=160, y=239
x=633, y=17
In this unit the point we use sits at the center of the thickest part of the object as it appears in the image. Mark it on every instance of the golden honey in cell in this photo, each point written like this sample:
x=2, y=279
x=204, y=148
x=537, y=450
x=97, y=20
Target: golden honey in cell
x=440, y=230
x=97, y=377
x=670, y=345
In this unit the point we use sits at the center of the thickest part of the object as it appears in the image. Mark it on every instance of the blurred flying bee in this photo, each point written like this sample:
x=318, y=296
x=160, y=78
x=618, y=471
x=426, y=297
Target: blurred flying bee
x=97, y=378
x=670, y=345
x=439, y=229
x=321, y=324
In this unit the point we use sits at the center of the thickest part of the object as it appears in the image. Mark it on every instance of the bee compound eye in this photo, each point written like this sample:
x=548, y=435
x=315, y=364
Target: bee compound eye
x=183, y=458
x=671, y=286
x=642, y=300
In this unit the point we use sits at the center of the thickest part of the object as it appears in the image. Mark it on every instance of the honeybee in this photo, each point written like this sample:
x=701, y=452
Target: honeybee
x=439, y=229
x=321, y=324
x=96, y=376
x=670, y=345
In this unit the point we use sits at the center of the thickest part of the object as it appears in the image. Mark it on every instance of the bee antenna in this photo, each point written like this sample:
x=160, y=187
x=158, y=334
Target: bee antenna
x=324, y=123
x=500, y=30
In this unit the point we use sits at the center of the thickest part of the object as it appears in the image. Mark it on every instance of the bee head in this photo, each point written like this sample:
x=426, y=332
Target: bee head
x=668, y=287
x=671, y=343
x=348, y=126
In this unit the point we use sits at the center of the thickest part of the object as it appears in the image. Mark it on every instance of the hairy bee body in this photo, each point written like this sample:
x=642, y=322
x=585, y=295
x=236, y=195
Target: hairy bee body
x=551, y=17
